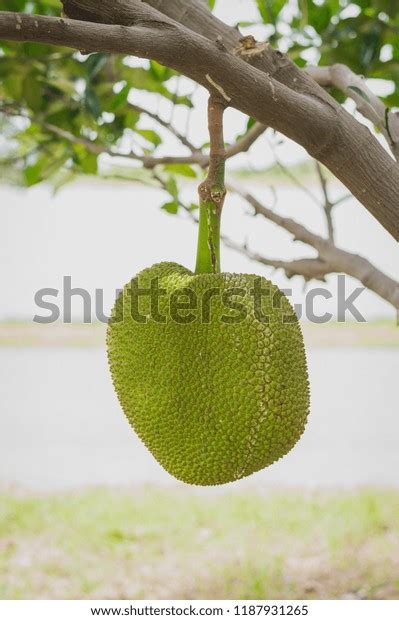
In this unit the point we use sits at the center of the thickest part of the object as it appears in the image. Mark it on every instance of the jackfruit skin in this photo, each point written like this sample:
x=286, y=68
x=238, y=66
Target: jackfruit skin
x=214, y=402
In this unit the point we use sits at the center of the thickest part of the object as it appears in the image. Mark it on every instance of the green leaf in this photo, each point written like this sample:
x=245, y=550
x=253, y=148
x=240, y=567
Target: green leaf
x=245, y=24
x=32, y=92
x=171, y=187
x=315, y=15
x=54, y=4
x=211, y=4
x=160, y=72
x=152, y=81
x=183, y=169
x=63, y=85
x=13, y=85
x=150, y=135
x=85, y=160
x=270, y=9
x=63, y=116
x=301, y=62
x=47, y=164
x=89, y=163
x=264, y=13
x=337, y=94
x=131, y=118
x=95, y=62
x=92, y=103
x=171, y=207
x=120, y=99
x=33, y=174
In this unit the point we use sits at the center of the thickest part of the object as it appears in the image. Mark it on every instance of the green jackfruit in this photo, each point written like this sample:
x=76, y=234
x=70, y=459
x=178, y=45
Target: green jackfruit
x=215, y=390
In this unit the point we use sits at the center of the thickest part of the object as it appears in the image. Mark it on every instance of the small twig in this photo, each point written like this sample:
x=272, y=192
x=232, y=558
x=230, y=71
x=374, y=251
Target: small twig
x=167, y=125
x=148, y=161
x=336, y=259
x=343, y=198
x=244, y=144
x=293, y=178
x=328, y=205
x=307, y=268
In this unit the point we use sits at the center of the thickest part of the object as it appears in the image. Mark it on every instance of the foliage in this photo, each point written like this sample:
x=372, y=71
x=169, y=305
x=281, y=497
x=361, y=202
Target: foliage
x=91, y=98
x=363, y=34
x=86, y=96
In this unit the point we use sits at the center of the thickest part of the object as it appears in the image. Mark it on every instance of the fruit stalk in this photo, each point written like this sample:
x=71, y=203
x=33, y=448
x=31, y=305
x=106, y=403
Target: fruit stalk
x=212, y=193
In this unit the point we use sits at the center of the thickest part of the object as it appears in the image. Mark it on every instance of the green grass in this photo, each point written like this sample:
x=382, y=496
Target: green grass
x=183, y=543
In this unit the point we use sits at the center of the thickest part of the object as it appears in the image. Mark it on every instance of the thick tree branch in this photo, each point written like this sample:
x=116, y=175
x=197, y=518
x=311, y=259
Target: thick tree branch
x=298, y=109
x=198, y=18
x=368, y=104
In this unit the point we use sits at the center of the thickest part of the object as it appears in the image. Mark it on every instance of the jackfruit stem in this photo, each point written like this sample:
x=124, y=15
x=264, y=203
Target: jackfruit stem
x=208, y=253
x=212, y=193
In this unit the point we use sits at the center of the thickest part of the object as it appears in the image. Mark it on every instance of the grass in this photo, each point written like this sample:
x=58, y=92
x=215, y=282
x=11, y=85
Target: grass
x=382, y=333
x=185, y=543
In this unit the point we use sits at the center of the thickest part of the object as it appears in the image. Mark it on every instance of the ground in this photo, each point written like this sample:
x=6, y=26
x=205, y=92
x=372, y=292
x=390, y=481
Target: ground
x=184, y=543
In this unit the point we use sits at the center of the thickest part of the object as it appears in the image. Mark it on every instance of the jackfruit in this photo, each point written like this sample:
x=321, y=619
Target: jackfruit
x=213, y=382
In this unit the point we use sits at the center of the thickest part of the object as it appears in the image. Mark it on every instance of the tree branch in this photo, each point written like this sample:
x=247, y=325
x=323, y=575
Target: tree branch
x=310, y=268
x=244, y=144
x=171, y=128
x=307, y=268
x=368, y=104
x=149, y=162
x=328, y=205
x=299, y=109
x=335, y=259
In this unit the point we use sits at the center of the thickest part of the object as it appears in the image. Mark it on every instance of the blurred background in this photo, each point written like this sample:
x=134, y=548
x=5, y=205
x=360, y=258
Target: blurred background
x=85, y=510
